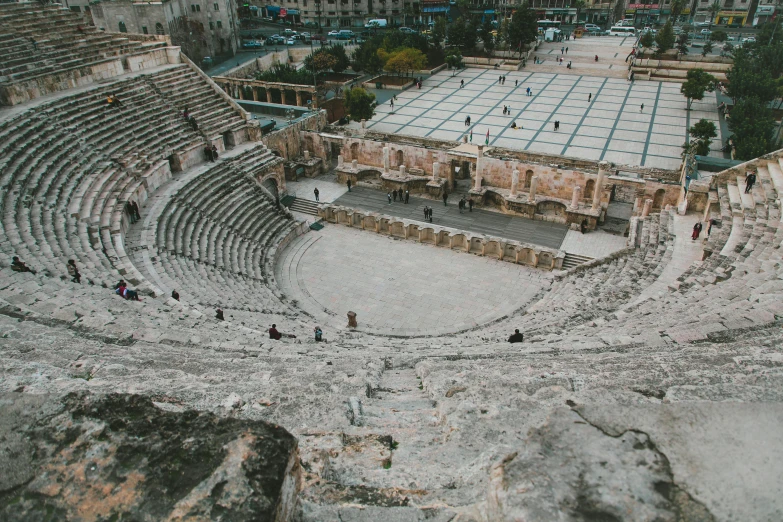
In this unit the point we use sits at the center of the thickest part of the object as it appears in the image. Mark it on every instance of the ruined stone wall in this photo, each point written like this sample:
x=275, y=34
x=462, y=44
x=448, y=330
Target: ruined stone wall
x=288, y=142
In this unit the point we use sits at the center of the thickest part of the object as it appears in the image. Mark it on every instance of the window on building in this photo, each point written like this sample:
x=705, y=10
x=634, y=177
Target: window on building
x=192, y=8
x=123, y=29
x=144, y=29
x=159, y=28
x=211, y=26
x=219, y=24
x=216, y=6
x=195, y=8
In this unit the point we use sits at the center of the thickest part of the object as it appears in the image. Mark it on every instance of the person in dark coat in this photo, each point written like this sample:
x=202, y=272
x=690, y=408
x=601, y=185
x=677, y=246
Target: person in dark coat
x=214, y=153
x=349, y=185
x=407, y=196
x=135, y=210
x=750, y=180
x=394, y=195
x=219, y=315
x=445, y=198
x=76, y=277
x=696, y=231
x=18, y=266
x=516, y=337
x=274, y=334
x=470, y=204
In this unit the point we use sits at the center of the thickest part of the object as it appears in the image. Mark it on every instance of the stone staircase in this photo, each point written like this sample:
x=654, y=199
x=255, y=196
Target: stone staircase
x=574, y=260
x=304, y=206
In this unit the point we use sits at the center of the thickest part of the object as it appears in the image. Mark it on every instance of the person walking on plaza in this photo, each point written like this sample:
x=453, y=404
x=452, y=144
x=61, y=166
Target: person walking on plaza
x=562, y=50
x=407, y=196
x=445, y=198
x=175, y=295
x=394, y=195
x=349, y=185
x=470, y=204
x=557, y=125
x=500, y=79
x=426, y=212
x=566, y=50
x=461, y=204
x=461, y=84
x=696, y=231
x=76, y=277
x=316, y=193
x=388, y=196
x=429, y=213
x=641, y=109
x=516, y=83
x=750, y=179
x=589, y=97
x=516, y=337
x=391, y=104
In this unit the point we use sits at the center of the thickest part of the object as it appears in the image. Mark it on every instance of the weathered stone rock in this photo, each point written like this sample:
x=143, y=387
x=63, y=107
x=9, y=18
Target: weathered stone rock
x=84, y=457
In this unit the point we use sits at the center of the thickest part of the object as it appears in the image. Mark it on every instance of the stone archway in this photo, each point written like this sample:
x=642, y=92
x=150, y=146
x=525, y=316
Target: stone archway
x=658, y=199
x=528, y=178
x=589, y=189
x=355, y=151
x=399, y=158
x=271, y=185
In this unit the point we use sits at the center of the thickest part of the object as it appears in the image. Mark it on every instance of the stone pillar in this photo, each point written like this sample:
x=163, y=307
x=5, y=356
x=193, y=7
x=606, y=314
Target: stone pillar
x=364, y=124
x=576, y=197
x=268, y=95
x=402, y=171
x=479, y=161
x=435, y=171
x=386, y=160
x=647, y=207
x=255, y=93
x=637, y=205
x=531, y=197
x=307, y=155
x=340, y=160
x=603, y=167
x=240, y=92
x=514, y=183
x=298, y=98
x=282, y=97
x=355, y=164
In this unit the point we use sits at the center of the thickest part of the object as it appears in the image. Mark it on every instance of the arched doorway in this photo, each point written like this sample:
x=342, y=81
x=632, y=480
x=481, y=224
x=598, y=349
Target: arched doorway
x=658, y=198
x=528, y=178
x=271, y=185
x=399, y=158
x=589, y=189
x=159, y=28
x=355, y=151
x=123, y=28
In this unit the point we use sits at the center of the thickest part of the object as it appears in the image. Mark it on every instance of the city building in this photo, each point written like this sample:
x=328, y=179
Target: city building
x=731, y=13
x=201, y=27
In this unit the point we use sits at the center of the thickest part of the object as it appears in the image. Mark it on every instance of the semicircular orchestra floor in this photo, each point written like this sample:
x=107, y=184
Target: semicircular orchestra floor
x=399, y=287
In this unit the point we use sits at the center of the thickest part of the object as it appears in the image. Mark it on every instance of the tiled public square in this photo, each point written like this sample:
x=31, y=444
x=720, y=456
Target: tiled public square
x=611, y=126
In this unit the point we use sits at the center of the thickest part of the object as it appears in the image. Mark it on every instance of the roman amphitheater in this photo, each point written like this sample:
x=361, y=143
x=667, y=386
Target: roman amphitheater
x=648, y=386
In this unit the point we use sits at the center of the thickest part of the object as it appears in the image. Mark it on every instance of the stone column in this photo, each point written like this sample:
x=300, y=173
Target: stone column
x=637, y=205
x=531, y=198
x=402, y=171
x=355, y=164
x=282, y=97
x=340, y=160
x=514, y=183
x=647, y=207
x=576, y=197
x=435, y=171
x=477, y=185
x=268, y=95
x=255, y=93
x=603, y=167
x=298, y=98
x=240, y=92
x=364, y=124
x=306, y=155
x=386, y=160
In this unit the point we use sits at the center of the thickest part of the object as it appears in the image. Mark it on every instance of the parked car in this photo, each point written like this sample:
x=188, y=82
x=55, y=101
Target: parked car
x=267, y=19
x=290, y=41
x=207, y=62
x=318, y=38
x=706, y=32
x=334, y=33
x=407, y=30
x=289, y=32
x=375, y=23
x=702, y=24
x=252, y=44
x=749, y=39
x=313, y=25
x=588, y=27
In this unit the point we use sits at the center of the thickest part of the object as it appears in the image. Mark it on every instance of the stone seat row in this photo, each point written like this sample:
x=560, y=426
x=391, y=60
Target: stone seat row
x=187, y=91
x=599, y=287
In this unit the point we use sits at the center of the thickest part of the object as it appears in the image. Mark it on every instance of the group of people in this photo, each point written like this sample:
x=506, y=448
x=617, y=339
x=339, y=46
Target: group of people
x=113, y=102
x=502, y=80
x=465, y=203
x=122, y=290
x=427, y=213
x=133, y=211
x=17, y=265
x=190, y=119
x=398, y=194
x=211, y=153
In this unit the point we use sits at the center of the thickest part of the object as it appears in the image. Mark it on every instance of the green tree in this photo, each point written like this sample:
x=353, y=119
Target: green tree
x=682, y=44
x=439, y=30
x=487, y=38
x=697, y=82
x=359, y=103
x=523, y=28
x=405, y=61
x=647, y=40
x=454, y=61
x=751, y=77
x=707, y=48
x=462, y=34
x=664, y=40
x=284, y=73
x=320, y=61
x=676, y=9
x=714, y=9
x=719, y=36
x=752, y=126
x=702, y=132
x=342, y=61
x=578, y=5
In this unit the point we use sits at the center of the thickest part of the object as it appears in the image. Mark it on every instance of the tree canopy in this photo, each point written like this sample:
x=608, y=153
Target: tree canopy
x=359, y=103
x=523, y=28
x=752, y=125
x=697, y=82
x=664, y=40
x=702, y=132
x=405, y=61
x=284, y=73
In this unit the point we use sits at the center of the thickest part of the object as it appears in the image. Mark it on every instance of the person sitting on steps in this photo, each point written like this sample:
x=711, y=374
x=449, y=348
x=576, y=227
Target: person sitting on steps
x=19, y=266
x=516, y=337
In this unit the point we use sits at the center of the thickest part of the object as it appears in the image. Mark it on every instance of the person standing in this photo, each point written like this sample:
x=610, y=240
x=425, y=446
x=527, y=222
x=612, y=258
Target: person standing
x=750, y=179
x=316, y=193
x=388, y=196
x=349, y=185
x=426, y=212
x=696, y=231
x=461, y=204
x=135, y=210
x=566, y=50
x=470, y=204
x=641, y=109
x=461, y=84
x=445, y=198
x=394, y=195
x=407, y=196
x=214, y=153
x=589, y=97
x=391, y=104
x=500, y=79
x=76, y=277
x=516, y=83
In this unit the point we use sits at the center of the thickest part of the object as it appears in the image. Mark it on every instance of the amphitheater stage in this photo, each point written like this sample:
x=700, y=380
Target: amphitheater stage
x=400, y=287
x=541, y=233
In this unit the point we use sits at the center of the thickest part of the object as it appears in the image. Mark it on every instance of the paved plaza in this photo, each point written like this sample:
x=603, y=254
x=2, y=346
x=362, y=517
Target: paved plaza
x=403, y=287
x=610, y=126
